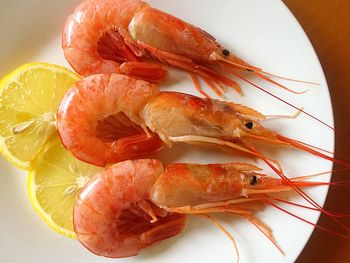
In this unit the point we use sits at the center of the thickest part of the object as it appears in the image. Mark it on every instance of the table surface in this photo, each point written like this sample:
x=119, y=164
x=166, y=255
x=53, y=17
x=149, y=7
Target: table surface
x=327, y=24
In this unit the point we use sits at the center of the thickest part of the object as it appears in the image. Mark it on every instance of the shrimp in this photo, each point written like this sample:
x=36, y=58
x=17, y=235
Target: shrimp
x=111, y=36
x=179, y=117
x=99, y=123
x=134, y=204
x=113, y=216
x=92, y=44
x=101, y=34
x=239, y=189
x=171, y=116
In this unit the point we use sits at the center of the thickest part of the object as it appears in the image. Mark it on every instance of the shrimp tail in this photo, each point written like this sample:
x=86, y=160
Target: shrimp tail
x=148, y=71
x=164, y=231
x=113, y=46
x=134, y=146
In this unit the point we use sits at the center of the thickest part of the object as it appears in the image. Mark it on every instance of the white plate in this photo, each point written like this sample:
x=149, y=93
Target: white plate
x=265, y=34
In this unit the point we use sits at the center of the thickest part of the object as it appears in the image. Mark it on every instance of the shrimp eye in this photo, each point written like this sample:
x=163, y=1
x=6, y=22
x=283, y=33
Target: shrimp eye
x=225, y=52
x=253, y=180
x=249, y=125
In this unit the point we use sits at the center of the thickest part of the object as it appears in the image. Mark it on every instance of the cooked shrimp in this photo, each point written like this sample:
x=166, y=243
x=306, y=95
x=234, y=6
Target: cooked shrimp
x=174, y=117
x=101, y=34
x=92, y=44
x=235, y=188
x=179, y=117
x=186, y=184
x=133, y=204
x=113, y=216
x=110, y=36
x=98, y=119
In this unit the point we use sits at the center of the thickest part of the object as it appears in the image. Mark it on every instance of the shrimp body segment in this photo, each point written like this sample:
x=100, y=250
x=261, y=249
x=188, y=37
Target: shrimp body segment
x=98, y=119
x=92, y=43
x=112, y=214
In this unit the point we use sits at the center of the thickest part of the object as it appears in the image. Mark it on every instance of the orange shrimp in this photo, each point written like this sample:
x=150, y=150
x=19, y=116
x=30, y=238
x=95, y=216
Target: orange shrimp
x=174, y=117
x=134, y=204
x=101, y=34
x=236, y=188
x=179, y=117
x=111, y=36
x=92, y=44
x=113, y=216
x=98, y=119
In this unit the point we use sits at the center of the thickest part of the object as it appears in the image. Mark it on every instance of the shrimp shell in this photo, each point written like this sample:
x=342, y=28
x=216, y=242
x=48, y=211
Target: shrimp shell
x=87, y=24
x=108, y=215
x=94, y=98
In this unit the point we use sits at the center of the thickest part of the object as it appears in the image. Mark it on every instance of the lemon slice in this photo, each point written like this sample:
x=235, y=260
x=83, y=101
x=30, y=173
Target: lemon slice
x=53, y=185
x=29, y=98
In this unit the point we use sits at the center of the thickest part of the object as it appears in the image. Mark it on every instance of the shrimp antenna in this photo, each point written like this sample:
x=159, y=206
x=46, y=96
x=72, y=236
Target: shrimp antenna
x=304, y=147
x=291, y=116
x=232, y=66
x=309, y=148
x=278, y=84
x=305, y=196
x=282, y=100
x=303, y=206
x=297, y=189
x=210, y=74
x=245, y=66
x=289, y=79
x=322, y=150
x=303, y=177
x=306, y=221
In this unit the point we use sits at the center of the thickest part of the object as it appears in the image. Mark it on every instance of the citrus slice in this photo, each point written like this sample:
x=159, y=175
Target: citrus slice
x=29, y=98
x=53, y=185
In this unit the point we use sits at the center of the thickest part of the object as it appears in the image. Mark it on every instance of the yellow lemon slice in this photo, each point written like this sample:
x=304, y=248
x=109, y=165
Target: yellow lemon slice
x=53, y=185
x=29, y=98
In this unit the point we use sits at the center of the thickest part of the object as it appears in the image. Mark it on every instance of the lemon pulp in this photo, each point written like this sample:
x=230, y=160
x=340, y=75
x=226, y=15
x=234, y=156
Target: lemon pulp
x=29, y=98
x=53, y=185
